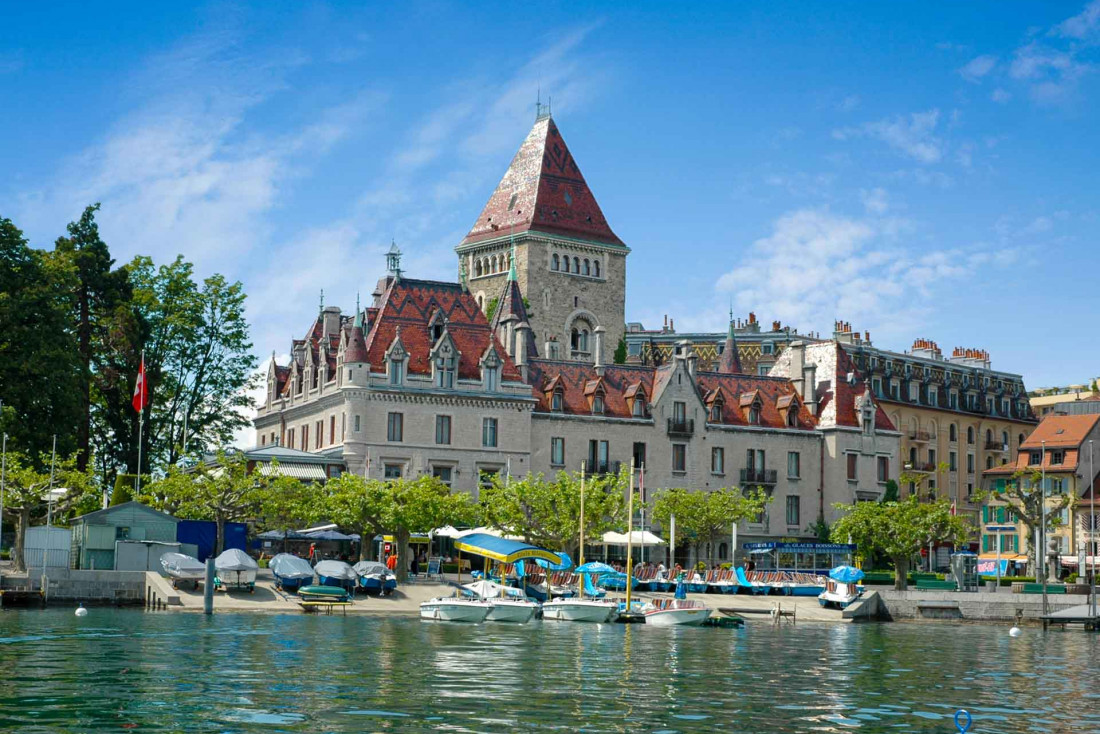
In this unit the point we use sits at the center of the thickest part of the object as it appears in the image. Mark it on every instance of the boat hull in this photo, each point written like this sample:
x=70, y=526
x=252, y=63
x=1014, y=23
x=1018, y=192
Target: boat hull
x=578, y=611
x=516, y=612
x=454, y=610
x=676, y=617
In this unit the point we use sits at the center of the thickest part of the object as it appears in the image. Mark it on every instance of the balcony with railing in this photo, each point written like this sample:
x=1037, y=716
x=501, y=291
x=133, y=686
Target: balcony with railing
x=996, y=446
x=684, y=427
x=920, y=436
x=920, y=466
x=758, y=477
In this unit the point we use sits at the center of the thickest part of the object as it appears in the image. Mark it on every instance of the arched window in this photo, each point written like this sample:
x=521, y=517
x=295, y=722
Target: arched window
x=988, y=437
x=723, y=550
x=587, y=267
x=493, y=264
x=1004, y=439
x=577, y=265
x=639, y=408
x=913, y=456
x=953, y=432
x=989, y=462
x=970, y=434
x=1021, y=439
x=556, y=401
x=716, y=413
x=597, y=404
x=555, y=264
x=596, y=268
x=565, y=264
x=792, y=417
x=477, y=269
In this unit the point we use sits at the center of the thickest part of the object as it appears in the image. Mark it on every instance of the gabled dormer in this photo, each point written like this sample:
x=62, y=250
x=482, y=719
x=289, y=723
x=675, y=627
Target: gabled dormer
x=637, y=400
x=490, y=364
x=444, y=356
x=437, y=324
x=716, y=405
x=788, y=406
x=397, y=359
x=595, y=392
x=555, y=394
x=272, y=380
x=309, y=370
x=866, y=411
x=752, y=406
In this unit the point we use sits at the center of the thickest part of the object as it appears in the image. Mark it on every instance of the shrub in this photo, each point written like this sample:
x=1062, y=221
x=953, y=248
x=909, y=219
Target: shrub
x=124, y=489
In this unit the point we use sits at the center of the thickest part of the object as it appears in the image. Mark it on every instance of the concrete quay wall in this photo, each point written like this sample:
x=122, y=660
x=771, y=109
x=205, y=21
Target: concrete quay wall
x=65, y=586
x=980, y=606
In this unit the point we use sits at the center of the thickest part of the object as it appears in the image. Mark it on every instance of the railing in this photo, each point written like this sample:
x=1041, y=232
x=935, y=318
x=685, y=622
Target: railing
x=921, y=466
x=923, y=436
x=753, y=477
x=684, y=427
x=996, y=446
x=604, y=467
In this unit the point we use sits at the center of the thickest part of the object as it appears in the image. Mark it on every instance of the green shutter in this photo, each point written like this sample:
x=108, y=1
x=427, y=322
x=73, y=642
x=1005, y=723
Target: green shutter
x=1001, y=515
x=985, y=514
x=1016, y=543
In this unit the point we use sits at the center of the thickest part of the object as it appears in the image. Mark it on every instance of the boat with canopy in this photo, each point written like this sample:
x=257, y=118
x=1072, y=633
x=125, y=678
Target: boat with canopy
x=180, y=567
x=336, y=573
x=508, y=604
x=673, y=612
x=841, y=588
x=291, y=572
x=235, y=570
x=374, y=577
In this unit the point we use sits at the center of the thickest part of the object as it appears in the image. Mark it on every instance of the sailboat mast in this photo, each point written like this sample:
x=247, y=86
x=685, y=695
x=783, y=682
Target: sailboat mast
x=629, y=537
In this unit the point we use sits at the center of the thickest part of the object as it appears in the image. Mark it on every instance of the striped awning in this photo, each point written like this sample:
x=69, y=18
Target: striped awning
x=291, y=469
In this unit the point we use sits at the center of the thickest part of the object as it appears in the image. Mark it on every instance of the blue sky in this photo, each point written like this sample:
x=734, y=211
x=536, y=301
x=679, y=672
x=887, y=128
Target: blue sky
x=917, y=169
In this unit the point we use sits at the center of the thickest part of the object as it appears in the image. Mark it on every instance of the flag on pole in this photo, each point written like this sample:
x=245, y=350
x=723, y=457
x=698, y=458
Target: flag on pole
x=141, y=392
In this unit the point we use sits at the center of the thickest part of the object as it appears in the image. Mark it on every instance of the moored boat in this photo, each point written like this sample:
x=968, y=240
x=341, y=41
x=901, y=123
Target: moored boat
x=235, y=570
x=673, y=612
x=336, y=573
x=579, y=610
x=182, y=568
x=375, y=578
x=290, y=572
x=455, y=609
x=508, y=603
x=327, y=594
x=841, y=588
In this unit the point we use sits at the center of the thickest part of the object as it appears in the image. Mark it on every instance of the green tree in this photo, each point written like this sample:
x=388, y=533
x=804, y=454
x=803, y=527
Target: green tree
x=286, y=503
x=40, y=376
x=97, y=294
x=125, y=484
x=198, y=363
x=704, y=516
x=223, y=491
x=27, y=491
x=1023, y=496
x=620, y=352
x=898, y=530
x=359, y=505
x=547, y=512
x=418, y=505
x=890, y=494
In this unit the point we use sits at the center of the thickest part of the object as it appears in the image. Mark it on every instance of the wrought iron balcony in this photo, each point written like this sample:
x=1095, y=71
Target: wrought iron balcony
x=921, y=466
x=920, y=436
x=996, y=446
x=758, y=477
x=684, y=427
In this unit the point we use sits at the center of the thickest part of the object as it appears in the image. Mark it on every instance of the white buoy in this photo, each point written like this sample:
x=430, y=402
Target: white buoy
x=81, y=611
x=1015, y=632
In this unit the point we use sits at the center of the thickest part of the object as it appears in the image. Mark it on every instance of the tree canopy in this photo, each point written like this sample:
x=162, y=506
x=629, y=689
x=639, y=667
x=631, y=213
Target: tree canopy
x=703, y=517
x=898, y=530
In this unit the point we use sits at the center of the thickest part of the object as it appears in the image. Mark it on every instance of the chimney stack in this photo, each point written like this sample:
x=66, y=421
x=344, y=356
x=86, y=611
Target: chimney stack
x=599, y=331
x=797, y=350
x=809, y=387
x=523, y=334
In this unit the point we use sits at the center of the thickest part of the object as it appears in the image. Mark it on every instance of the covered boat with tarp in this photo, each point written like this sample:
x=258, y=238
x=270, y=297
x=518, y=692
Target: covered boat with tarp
x=291, y=572
x=375, y=578
x=842, y=587
x=235, y=570
x=183, y=569
x=336, y=573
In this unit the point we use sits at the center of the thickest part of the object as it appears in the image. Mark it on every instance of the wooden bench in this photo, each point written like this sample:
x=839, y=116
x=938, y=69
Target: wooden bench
x=935, y=585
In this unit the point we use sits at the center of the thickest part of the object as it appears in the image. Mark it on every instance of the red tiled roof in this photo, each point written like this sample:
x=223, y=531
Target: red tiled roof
x=1061, y=431
x=409, y=304
x=770, y=390
x=845, y=395
x=543, y=190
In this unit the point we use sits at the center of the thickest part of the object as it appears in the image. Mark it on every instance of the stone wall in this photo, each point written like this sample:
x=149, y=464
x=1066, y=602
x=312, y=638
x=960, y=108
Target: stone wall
x=96, y=587
x=980, y=606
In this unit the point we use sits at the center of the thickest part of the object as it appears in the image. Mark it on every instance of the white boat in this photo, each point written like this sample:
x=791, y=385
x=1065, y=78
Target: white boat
x=455, y=609
x=508, y=603
x=838, y=594
x=672, y=612
x=579, y=610
x=180, y=568
x=235, y=570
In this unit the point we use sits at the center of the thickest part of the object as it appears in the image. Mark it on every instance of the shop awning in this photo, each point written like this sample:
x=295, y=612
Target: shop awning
x=291, y=469
x=502, y=549
x=422, y=538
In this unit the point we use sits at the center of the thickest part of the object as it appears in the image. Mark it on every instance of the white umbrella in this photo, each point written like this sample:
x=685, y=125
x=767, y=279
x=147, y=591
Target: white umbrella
x=637, y=537
x=447, y=531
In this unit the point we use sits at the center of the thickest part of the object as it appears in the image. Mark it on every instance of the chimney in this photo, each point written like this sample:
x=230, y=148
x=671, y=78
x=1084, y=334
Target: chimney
x=330, y=321
x=797, y=351
x=523, y=334
x=809, y=387
x=599, y=331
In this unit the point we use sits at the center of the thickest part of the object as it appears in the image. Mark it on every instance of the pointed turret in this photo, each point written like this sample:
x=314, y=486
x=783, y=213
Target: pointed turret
x=544, y=191
x=511, y=313
x=730, y=361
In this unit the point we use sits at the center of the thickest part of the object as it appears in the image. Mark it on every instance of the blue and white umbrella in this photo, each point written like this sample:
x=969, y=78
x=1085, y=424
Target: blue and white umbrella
x=596, y=567
x=846, y=574
x=564, y=562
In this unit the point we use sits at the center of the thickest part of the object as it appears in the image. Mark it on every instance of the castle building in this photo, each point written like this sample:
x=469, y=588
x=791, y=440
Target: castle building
x=509, y=371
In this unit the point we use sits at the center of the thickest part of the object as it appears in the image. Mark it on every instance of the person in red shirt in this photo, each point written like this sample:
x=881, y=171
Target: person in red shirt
x=391, y=562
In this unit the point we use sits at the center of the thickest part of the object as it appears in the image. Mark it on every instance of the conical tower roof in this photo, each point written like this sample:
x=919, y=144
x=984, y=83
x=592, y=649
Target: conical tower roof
x=543, y=190
x=730, y=361
x=510, y=305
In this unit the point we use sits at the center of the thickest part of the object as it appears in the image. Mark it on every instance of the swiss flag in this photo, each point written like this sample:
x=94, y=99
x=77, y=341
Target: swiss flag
x=141, y=393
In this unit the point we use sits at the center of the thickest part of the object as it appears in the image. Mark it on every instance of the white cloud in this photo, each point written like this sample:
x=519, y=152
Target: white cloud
x=913, y=136
x=1000, y=96
x=849, y=103
x=875, y=201
x=1083, y=26
x=976, y=69
x=816, y=266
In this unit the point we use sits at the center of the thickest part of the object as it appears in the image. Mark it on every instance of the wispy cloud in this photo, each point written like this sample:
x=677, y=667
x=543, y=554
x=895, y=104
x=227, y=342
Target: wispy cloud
x=977, y=68
x=913, y=136
x=1085, y=26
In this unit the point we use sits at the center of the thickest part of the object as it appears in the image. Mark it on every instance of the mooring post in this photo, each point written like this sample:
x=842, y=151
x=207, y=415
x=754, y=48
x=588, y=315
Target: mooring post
x=208, y=588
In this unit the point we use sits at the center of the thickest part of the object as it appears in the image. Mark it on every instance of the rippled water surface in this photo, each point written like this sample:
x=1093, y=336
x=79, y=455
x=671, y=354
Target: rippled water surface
x=129, y=670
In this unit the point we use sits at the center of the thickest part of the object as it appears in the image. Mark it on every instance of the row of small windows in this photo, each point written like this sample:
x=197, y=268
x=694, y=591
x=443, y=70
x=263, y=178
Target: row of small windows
x=491, y=265
x=395, y=430
x=565, y=264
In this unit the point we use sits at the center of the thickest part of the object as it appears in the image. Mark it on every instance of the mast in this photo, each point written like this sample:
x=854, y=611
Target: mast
x=629, y=534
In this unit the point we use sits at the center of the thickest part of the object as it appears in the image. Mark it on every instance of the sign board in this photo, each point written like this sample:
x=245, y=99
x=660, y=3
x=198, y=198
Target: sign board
x=802, y=547
x=434, y=566
x=989, y=567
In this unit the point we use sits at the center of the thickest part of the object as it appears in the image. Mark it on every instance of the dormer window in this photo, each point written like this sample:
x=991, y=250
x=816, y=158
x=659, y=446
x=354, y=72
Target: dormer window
x=754, y=414
x=557, y=401
x=716, y=413
x=638, y=411
x=397, y=371
x=752, y=405
x=792, y=418
x=597, y=404
x=490, y=370
x=492, y=378
x=445, y=372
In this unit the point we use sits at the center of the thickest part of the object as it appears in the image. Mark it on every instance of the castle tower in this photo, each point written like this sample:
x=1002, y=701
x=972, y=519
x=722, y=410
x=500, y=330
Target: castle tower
x=570, y=267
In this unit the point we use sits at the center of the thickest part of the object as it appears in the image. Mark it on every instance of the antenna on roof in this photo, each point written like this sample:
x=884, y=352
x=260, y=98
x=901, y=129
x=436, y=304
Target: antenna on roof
x=541, y=110
x=322, y=308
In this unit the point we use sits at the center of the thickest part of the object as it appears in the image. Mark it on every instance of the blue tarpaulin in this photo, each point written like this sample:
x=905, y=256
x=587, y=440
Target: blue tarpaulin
x=564, y=564
x=203, y=534
x=846, y=574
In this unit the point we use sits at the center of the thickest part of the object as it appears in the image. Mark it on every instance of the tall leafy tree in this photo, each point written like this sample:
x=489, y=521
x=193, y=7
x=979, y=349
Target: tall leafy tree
x=287, y=503
x=898, y=530
x=547, y=512
x=99, y=291
x=704, y=517
x=357, y=504
x=418, y=505
x=27, y=493
x=40, y=376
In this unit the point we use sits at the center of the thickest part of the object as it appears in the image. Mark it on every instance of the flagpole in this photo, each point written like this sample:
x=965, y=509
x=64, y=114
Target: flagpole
x=141, y=421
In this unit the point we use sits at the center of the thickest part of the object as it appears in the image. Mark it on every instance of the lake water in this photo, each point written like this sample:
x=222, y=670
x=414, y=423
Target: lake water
x=118, y=670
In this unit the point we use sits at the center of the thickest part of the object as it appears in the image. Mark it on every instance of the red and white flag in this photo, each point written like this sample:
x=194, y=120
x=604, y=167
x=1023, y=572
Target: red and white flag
x=141, y=392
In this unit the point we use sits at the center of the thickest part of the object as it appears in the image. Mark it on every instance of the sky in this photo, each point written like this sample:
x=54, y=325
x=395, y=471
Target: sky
x=920, y=170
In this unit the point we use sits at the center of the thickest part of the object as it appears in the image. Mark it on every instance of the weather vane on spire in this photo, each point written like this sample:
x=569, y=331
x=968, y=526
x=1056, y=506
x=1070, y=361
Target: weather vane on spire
x=322, y=307
x=542, y=110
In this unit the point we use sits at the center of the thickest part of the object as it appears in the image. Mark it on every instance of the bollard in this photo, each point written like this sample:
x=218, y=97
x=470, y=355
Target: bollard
x=208, y=588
